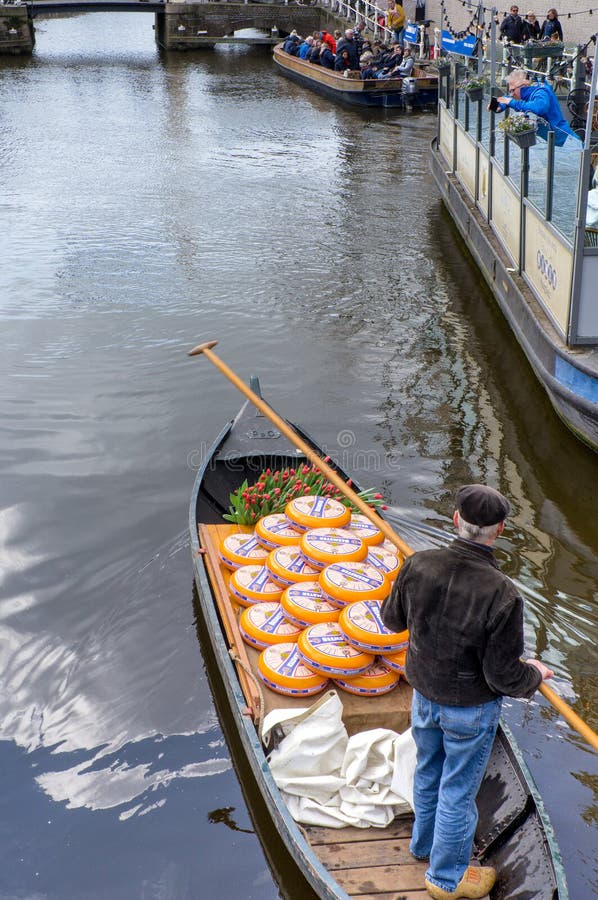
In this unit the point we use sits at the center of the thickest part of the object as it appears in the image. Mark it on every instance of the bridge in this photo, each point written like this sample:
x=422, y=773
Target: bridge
x=48, y=7
x=183, y=25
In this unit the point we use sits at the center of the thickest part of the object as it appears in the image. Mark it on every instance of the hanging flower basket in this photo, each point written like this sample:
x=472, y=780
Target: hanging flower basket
x=523, y=138
x=475, y=94
x=520, y=129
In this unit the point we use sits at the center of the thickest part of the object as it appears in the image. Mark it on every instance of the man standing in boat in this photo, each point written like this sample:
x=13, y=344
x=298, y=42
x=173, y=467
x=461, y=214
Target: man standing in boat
x=465, y=621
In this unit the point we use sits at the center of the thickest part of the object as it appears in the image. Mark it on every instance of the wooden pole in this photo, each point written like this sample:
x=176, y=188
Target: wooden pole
x=569, y=715
x=206, y=349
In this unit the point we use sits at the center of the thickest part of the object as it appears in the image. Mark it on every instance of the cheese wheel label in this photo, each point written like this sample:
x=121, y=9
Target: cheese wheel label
x=365, y=529
x=332, y=540
x=286, y=662
x=276, y=529
x=330, y=640
x=255, y=578
x=354, y=576
x=384, y=560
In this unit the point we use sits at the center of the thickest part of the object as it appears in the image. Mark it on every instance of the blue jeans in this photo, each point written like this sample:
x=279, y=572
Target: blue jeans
x=453, y=747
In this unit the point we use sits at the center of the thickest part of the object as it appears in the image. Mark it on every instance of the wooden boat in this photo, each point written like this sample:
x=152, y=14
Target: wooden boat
x=513, y=834
x=417, y=92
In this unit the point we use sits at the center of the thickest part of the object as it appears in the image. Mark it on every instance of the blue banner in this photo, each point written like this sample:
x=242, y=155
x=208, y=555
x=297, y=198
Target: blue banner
x=452, y=45
x=411, y=35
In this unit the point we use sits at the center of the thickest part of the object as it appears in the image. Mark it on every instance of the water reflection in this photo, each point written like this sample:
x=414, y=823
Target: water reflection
x=165, y=199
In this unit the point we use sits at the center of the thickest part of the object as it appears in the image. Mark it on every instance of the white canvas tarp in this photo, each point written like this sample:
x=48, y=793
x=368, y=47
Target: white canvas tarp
x=328, y=778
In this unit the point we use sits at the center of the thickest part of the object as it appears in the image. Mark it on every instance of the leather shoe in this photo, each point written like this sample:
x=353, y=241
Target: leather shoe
x=475, y=884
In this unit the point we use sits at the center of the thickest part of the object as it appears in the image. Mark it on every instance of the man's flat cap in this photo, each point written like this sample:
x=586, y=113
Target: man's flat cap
x=481, y=505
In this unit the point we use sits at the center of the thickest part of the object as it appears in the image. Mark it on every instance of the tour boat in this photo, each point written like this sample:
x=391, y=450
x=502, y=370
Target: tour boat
x=417, y=92
x=513, y=833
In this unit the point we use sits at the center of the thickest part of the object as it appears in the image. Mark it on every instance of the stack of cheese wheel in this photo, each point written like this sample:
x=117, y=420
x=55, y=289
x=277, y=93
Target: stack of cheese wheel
x=252, y=584
x=287, y=565
x=366, y=530
x=343, y=583
x=377, y=679
x=239, y=549
x=305, y=605
x=311, y=511
x=324, y=648
x=265, y=623
x=281, y=668
x=323, y=546
x=386, y=558
x=276, y=530
x=363, y=626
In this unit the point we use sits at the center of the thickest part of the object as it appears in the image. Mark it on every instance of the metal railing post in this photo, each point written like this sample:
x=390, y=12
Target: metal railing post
x=549, y=174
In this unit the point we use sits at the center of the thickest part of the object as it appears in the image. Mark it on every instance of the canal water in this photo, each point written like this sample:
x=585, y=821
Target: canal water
x=150, y=202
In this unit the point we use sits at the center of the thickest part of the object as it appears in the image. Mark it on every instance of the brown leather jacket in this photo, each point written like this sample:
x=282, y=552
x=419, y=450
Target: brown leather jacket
x=465, y=621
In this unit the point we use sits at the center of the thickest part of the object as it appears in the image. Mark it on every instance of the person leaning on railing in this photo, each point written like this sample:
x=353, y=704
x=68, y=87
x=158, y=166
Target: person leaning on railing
x=541, y=100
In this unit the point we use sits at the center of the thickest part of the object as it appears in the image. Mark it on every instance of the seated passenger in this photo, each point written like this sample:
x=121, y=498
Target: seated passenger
x=349, y=44
x=305, y=47
x=314, y=53
x=326, y=57
x=327, y=38
x=342, y=61
x=291, y=44
x=405, y=68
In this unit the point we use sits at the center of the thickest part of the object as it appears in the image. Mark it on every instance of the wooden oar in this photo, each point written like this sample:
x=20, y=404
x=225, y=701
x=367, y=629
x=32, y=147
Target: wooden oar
x=298, y=442
x=569, y=716
x=561, y=707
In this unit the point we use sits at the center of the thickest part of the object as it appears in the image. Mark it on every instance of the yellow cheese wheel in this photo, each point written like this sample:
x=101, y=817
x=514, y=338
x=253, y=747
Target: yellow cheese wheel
x=364, y=628
x=265, y=623
x=343, y=583
x=310, y=511
x=276, y=530
x=281, y=668
x=323, y=546
x=252, y=584
x=239, y=549
x=395, y=661
x=387, y=561
x=377, y=679
x=365, y=529
x=287, y=565
x=305, y=605
x=324, y=648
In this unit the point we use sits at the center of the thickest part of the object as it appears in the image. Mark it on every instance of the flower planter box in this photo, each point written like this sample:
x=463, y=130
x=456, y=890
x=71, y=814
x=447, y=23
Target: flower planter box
x=523, y=138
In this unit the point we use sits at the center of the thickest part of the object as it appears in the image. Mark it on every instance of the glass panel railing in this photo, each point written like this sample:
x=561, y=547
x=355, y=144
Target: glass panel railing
x=567, y=162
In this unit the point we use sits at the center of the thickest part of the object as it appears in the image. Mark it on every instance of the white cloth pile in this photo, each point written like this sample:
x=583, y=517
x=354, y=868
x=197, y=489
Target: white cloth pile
x=327, y=778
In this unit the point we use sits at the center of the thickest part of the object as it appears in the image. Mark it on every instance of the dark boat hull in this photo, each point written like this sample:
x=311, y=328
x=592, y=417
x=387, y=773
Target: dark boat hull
x=365, y=94
x=513, y=831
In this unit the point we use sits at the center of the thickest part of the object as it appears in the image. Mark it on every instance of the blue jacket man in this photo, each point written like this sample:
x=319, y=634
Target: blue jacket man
x=541, y=100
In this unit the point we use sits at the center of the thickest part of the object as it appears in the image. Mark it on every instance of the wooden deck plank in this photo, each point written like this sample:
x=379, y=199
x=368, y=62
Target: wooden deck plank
x=367, y=853
x=209, y=537
x=399, y=828
x=380, y=879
